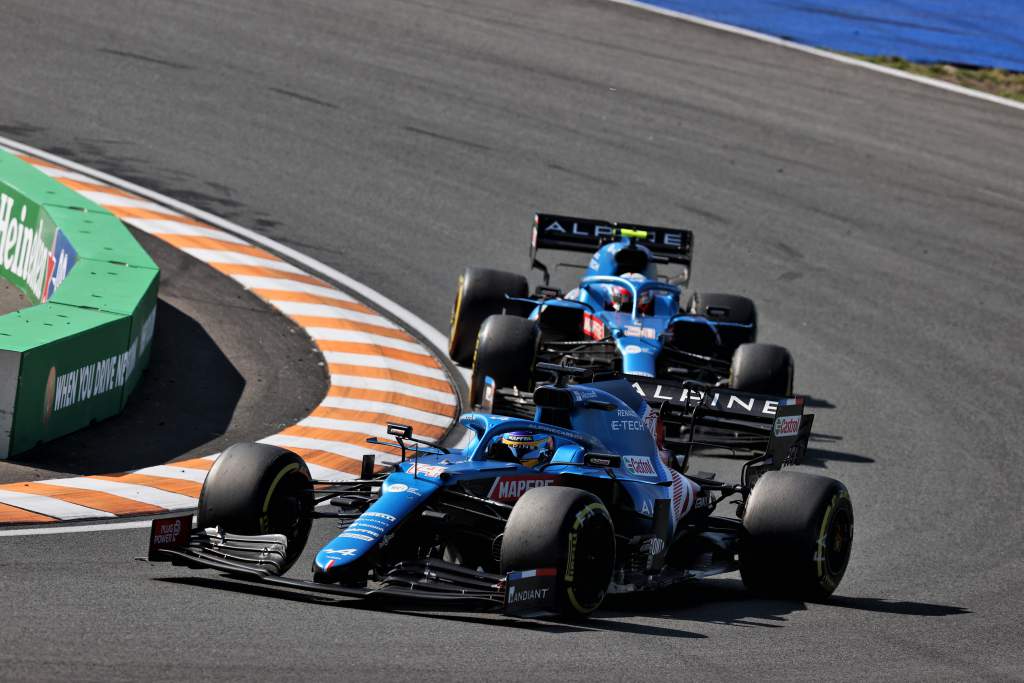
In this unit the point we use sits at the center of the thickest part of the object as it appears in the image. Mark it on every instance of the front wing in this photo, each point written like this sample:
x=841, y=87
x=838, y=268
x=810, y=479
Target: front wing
x=423, y=582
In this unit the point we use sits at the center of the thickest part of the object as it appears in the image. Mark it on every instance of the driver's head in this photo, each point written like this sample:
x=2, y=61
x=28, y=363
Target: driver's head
x=617, y=298
x=529, y=448
x=645, y=302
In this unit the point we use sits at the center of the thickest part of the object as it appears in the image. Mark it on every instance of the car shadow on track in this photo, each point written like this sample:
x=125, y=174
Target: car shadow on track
x=727, y=602
x=719, y=602
x=428, y=611
x=819, y=457
x=813, y=402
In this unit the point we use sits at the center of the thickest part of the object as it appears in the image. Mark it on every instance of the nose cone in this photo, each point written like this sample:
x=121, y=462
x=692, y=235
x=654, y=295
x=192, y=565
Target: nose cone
x=401, y=494
x=639, y=356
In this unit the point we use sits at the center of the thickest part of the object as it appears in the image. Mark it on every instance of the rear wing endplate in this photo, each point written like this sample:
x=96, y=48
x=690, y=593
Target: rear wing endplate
x=787, y=441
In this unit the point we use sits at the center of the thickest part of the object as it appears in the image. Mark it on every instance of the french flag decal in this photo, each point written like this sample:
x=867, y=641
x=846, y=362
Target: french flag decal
x=530, y=573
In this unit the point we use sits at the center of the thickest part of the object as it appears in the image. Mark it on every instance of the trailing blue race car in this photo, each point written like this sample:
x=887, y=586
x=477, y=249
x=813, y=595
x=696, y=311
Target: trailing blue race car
x=534, y=517
x=622, y=317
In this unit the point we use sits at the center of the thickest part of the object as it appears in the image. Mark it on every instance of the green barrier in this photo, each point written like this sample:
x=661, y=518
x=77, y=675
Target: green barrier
x=76, y=356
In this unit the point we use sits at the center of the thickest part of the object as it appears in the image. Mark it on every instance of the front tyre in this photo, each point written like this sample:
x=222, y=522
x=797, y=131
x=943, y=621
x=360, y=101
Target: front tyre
x=568, y=529
x=797, y=536
x=256, y=489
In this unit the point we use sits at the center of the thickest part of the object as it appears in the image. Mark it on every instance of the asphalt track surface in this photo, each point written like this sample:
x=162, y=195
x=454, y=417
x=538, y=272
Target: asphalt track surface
x=875, y=221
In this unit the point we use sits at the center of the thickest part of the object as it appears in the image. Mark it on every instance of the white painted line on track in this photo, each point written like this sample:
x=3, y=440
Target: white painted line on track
x=297, y=308
x=367, y=428
x=81, y=528
x=389, y=385
x=239, y=259
x=286, y=285
x=359, y=405
x=136, y=492
x=374, y=361
x=360, y=337
x=110, y=199
x=59, y=172
x=826, y=54
x=172, y=472
x=346, y=450
x=51, y=507
x=166, y=226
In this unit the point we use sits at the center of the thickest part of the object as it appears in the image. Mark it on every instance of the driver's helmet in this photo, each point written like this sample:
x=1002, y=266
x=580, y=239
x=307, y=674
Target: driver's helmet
x=526, y=447
x=616, y=298
x=645, y=303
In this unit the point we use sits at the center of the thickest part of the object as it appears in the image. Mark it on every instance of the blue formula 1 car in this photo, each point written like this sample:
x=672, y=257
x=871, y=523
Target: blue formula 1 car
x=622, y=317
x=533, y=517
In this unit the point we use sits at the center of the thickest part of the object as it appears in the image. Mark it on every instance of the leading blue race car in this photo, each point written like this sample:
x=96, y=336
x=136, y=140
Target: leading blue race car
x=623, y=317
x=534, y=517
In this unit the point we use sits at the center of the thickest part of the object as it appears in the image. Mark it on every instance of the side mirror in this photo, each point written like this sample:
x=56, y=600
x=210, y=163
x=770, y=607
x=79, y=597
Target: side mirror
x=567, y=455
x=399, y=431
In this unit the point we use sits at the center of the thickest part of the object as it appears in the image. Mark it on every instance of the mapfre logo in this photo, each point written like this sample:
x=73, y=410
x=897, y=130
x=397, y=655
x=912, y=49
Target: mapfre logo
x=509, y=489
x=787, y=426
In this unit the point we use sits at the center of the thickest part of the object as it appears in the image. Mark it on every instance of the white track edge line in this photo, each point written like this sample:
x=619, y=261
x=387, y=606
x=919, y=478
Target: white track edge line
x=56, y=528
x=819, y=52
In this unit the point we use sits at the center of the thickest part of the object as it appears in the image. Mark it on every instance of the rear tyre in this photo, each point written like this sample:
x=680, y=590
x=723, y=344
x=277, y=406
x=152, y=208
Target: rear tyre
x=797, y=536
x=506, y=350
x=481, y=293
x=728, y=308
x=255, y=489
x=762, y=369
x=568, y=529
x=738, y=318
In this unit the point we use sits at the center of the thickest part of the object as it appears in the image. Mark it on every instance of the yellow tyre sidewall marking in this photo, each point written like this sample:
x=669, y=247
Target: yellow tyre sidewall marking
x=264, y=518
x=581, y=517
x=823, y=577
x=456, y=310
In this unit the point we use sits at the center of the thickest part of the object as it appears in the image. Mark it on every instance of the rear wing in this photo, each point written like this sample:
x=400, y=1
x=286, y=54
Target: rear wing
x=567, y=233
x=775, y=429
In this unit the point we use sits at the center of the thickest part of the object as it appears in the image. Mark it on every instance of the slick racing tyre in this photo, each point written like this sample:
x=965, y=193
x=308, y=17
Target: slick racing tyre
x=762, y=369
x=797, y=536
x=726, y=308
x=481, y=293
x=570, y=530
x=256, y=489
x=506, y=349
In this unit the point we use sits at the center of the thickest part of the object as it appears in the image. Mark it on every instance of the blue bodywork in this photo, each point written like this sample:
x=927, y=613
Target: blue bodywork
x=605, y=418
x=637, y=335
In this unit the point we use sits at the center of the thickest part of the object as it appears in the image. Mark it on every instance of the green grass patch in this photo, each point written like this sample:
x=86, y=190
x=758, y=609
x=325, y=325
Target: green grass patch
x=1001, y=82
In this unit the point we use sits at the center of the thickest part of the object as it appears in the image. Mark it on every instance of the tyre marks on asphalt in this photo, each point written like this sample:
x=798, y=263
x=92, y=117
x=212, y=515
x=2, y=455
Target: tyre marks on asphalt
x=379, y=373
